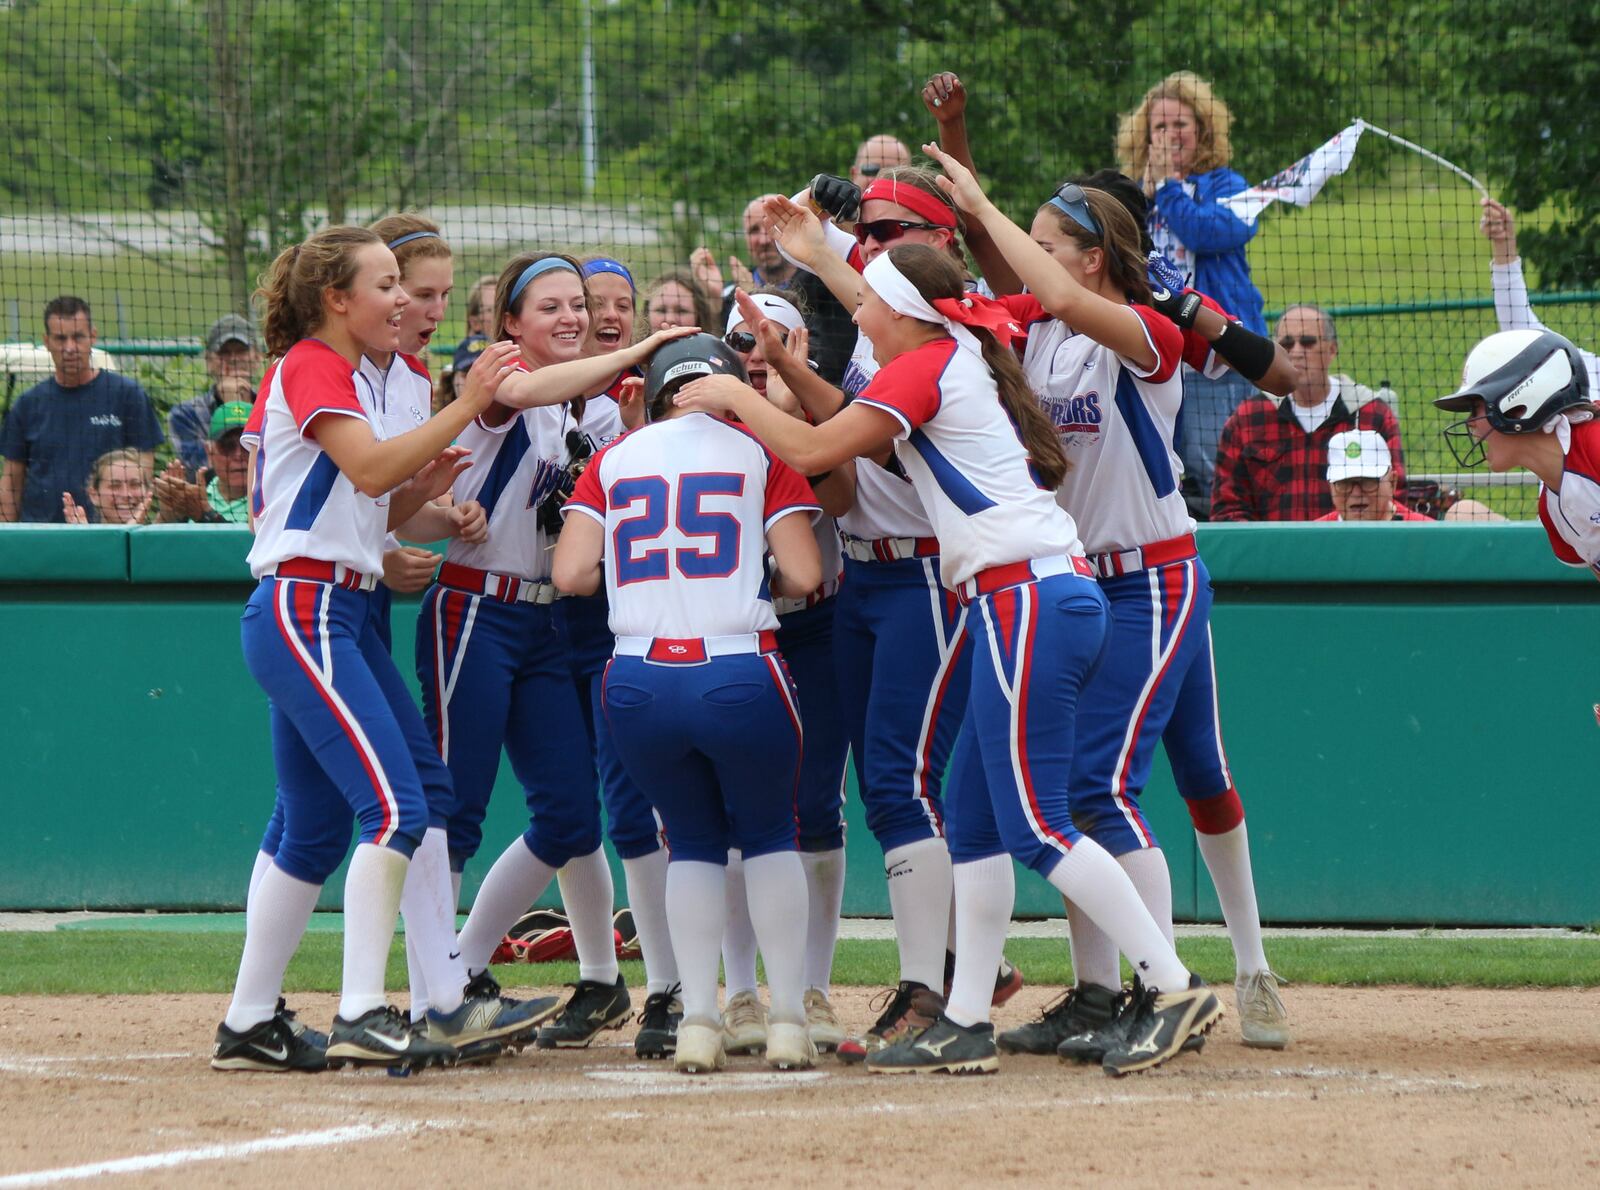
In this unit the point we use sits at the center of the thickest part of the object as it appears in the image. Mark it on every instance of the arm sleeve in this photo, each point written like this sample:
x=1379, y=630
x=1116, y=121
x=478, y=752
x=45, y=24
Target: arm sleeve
x=840, y=242
x=587, y=494
x=786, y=492
x=1232, y=496
x=1197, y=352
x=1511, y=305
x=1203, y=224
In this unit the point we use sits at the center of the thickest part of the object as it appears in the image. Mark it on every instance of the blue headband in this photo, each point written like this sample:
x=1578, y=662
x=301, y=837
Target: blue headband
x=606, y=265
x=538, y=268
x=414, y=235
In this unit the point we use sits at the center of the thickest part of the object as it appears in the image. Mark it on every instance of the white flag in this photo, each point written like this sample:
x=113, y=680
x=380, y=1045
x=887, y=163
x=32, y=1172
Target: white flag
x=1302, y=181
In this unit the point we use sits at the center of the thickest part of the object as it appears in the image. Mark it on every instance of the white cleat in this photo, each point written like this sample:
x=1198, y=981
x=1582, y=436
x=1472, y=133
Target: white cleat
x=744, y=1024
x=699, y=1047
x=822, y=1022
x=789, y=1047
x=1263, y=1020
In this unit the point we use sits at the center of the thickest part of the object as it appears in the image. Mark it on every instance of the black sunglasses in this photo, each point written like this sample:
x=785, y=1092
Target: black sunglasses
x=1074, y=203
x=886, y=231
x=1362, y=484
x=871, y=169
x=1288, y=341
x=744, y=342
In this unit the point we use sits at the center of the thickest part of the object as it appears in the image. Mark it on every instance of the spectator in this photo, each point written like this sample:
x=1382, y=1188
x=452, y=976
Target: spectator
x=119, y=491
x=58, y=430
x=1177, y=141
x=220, y=495
x=876, y=154
x=233, y=359
x=1361, y=480
x=1271, y=461
x=1511, y=305
x=467, y=353
x=480, y=305
x=676, y=299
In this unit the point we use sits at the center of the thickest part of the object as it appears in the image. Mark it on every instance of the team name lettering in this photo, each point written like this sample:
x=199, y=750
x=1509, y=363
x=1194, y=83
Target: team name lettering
x=1074, y=414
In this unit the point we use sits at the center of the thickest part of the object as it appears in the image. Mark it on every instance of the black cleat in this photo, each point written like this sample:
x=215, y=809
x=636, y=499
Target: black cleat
x=384, y=1037
x=944, y=1047
x=272, y=1046
x=1078, y=1010
x=1160, y=1026
x=658, y=1024
x=593, y=1006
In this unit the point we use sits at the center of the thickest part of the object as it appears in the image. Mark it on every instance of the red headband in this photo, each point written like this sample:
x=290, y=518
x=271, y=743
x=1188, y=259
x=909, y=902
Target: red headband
x=912, y=198
x=976, y=310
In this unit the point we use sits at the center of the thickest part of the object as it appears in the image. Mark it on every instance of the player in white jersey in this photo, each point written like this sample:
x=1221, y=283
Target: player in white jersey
x=493, y=670
x=954, y=403
x=1104, y=365
x=902, y=675
x=679, y=516
x=325, y=487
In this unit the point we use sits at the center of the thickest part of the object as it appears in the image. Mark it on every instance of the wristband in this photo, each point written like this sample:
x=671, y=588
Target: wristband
x=1247, y=353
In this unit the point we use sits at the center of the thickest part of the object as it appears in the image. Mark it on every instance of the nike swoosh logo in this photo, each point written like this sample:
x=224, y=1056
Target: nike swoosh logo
x=454, y=955
x=277, y=1055
x=398, y=1047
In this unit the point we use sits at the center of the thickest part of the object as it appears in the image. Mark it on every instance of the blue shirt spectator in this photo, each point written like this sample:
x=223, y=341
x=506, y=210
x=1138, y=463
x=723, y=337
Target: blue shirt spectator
x=233, y=359
x=58, y=428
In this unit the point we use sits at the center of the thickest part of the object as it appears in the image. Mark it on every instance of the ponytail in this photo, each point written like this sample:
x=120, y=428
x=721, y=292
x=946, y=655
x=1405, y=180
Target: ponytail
x=290, y=291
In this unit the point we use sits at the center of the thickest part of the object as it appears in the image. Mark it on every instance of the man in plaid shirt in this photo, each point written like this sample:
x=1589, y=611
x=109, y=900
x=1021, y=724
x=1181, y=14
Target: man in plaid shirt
x=1273, y=457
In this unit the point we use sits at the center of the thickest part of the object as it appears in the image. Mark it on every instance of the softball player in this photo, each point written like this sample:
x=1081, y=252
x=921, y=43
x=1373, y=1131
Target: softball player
x=325, y=484
x=491, y=663
x=805, y=638
x=957, y=408
x=1113, y=393
x=698, y=701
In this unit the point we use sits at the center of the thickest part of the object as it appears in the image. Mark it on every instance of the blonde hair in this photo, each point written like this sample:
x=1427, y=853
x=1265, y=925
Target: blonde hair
x=1213, y=122
x=290, y=291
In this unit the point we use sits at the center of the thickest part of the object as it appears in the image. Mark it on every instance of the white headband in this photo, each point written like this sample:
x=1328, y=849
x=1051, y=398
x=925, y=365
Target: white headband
x=902, y=297
x=780, y=310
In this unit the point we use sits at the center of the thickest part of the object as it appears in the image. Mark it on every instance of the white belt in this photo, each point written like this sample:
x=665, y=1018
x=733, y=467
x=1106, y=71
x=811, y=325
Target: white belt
x=694, y=650
x=888, y=549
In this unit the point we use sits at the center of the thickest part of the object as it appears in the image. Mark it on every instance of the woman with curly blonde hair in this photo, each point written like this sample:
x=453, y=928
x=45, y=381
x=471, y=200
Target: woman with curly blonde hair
x=1177, y=140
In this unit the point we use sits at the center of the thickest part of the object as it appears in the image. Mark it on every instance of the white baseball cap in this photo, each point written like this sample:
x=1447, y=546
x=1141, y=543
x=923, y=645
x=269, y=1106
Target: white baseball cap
x=1358, y=454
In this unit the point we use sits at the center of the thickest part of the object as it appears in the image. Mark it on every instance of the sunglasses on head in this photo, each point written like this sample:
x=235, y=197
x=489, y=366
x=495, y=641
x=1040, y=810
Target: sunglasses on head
x=886, y=231
x=1289, y=341
x=1071, y=201
x=744, y=342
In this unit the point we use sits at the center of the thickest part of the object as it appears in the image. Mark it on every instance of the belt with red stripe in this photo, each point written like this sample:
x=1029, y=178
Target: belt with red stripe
x=784, y=606
x=695, y=650
x=318, y=571
x=888, y=549
x=1144, y=557
x=507, y=588
x=1015, y=574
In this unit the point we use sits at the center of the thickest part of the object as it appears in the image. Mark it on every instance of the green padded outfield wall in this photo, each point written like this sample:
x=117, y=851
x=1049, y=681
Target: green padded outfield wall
x=1409, y=714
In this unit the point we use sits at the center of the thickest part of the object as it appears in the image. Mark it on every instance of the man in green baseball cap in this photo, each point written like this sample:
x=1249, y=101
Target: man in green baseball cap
x=220, y=493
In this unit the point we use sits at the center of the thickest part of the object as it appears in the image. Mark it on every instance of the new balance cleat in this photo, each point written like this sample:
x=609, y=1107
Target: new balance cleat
x=1263, y=1020
x=744, y=1024
x=906, y=1009
x=487, y=1018
x=789, y=1047
x=944, y=1047
x=1078, y=1010
x=485, y=986
x=822, y=1023
x=384, y=1037
x=699, y=1047
x=593, y=1006
x=1160, y=1024
x=272, y=1047
x=658, y=1024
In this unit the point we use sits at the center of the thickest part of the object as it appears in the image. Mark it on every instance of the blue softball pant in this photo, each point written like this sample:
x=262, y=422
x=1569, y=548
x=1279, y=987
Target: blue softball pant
x=494, y=675
x=1035, y=648
x=437, y=786
x=1158, y=683
x=715, y=746
x=340, y=737
x=805, y=641
x=902, y=678
x=631, y=821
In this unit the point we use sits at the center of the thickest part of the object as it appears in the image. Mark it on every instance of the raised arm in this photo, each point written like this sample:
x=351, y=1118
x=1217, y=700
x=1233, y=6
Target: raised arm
x=858, y=430
x=802, y=237
x=945, y=97
x=555, y=383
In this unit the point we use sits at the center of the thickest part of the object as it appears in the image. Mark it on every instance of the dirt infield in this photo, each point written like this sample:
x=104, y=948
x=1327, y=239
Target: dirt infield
x=1383, y=1087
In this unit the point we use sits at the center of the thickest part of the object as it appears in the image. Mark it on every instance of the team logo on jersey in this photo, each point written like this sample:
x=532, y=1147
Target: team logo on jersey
x=547, y=477
x=1075, y=415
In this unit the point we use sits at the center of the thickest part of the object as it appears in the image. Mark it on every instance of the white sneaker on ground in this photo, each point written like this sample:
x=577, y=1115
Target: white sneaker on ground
x=744, y=1024
x=789, y=1047
x=821, y=1021
x=699, y=1046
x=1263, y=1020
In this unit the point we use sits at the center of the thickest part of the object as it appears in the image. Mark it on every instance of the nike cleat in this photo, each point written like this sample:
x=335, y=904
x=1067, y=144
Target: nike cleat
x=384, y=1037
x=271, y=1047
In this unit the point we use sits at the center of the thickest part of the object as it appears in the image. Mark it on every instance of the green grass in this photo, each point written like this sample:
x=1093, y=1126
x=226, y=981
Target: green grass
x=99, y=962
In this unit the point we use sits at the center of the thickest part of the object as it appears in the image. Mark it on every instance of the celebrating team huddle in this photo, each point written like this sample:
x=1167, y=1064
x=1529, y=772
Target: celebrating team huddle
x=694, y=577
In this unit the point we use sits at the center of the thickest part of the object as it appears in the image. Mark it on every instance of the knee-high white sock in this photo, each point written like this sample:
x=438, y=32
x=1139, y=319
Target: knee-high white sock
x=1094, y=955
x=985, y=891
x=1096, y=883
x=263, y=862
x=432, y=958
x=371, y=905
x=280, y=907
x=738, y=932
x=587, y=893
x=919, y=896
x=824, y=897
x=516, y=881
x=1227, y=858
x=697, y=907
x=775, y=888
x=646, y=877
x=1152, y=880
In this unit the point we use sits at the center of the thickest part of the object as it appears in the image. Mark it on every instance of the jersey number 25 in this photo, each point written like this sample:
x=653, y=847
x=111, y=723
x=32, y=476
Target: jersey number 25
x=656, y=499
